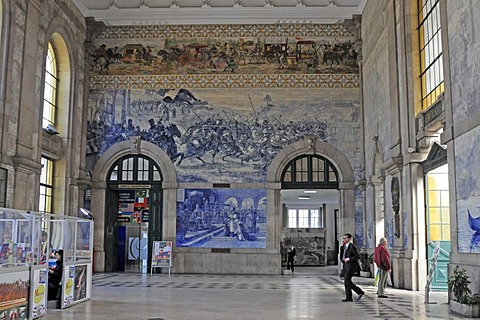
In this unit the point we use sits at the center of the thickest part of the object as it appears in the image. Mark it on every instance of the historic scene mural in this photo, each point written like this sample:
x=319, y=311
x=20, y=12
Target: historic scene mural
x=217, y=135
x=257, y=49
x=468, y=191
x=221, y=218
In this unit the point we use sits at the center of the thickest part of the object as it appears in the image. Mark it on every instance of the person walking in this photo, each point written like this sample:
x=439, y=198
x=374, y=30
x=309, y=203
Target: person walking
x=381, y=257
x=342, y=249
x=351, y=267
x=291, y=253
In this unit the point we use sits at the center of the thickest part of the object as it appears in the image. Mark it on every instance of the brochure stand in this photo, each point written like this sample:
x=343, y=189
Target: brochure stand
x=162, y=255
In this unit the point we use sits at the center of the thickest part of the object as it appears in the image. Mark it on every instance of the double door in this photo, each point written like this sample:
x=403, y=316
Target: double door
x=129, y=235
x=133, y=247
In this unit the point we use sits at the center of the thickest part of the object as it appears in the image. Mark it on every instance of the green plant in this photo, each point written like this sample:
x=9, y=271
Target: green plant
x=458, y=284
x=365, y=261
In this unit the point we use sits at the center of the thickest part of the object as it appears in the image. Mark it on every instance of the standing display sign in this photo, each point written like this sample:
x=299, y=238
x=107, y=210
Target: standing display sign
x=40, y=290
x=14, y=297
x=162, y=255
x=69, y=278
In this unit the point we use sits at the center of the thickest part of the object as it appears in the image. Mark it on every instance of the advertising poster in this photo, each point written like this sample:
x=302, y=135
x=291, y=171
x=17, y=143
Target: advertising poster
x=80, y=282
x=40, y=289
x=126, y=204
x=133, y=206
x=141, y=205
x=14, y=295
x=162, y=254
x=69, y=278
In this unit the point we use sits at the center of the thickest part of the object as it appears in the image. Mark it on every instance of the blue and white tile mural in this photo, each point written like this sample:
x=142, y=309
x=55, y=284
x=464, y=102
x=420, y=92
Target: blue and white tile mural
x=468, y=191
x=359, y=228
x=221, y=218
x=359, y=241
x=215, y=136
x=389, y=233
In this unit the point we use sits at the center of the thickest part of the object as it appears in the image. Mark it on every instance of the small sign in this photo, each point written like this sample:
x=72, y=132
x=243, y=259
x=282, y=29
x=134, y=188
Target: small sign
x=162, y=255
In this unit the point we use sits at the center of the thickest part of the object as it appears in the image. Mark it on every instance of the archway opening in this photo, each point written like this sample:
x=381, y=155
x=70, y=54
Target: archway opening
x=310, y=211
x=133, y=213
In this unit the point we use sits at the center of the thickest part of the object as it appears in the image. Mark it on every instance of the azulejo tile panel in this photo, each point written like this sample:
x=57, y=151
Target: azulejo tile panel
x=100, y=82
x=199, y=31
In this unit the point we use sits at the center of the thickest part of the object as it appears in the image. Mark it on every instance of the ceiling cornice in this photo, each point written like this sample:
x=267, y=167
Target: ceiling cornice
x=176, y=16
x=144, y=15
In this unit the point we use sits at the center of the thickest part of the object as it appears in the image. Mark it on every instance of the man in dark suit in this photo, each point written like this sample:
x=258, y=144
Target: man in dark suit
x=350, y=267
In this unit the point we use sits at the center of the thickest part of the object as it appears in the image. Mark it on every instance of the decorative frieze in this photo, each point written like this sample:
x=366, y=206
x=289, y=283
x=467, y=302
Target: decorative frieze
x=102, y=82
x=231, y=30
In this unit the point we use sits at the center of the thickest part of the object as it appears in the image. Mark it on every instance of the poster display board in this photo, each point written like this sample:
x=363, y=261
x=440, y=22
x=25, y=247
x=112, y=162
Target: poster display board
x=39, y=292
x=68, y=280
x=162, y=255
x=14, y=298
x=81, y=276
x=133, y=206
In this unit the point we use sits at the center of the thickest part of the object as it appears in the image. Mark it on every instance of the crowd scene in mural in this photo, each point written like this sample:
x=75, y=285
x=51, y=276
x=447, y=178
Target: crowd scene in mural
x=203, y=217
x=252, y=138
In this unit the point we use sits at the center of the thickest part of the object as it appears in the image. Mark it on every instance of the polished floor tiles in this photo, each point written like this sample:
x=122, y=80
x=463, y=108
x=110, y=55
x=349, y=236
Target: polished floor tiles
x=310, y=293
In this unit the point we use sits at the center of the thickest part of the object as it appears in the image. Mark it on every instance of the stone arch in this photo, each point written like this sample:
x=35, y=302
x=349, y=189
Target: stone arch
x=312, y=146
x=63, y=40
x=99, y=190
x=346, y=179
x=103, y=165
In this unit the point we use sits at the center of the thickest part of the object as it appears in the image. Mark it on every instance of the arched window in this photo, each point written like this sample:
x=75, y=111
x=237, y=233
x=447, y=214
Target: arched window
x=134, y=169
x=50, y=88
x=310, y=172
x=54, y=188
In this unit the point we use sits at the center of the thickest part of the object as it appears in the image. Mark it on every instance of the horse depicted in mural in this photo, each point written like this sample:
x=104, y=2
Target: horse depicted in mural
x=171, y=57
x=113, y=55
x=101, y=63
x=165, y=139
x=198, y=144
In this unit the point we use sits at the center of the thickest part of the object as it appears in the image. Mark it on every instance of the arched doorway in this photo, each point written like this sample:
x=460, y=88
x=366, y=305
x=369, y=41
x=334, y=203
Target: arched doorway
x=310, y=210
x=133, y=191
x=154, y=164
x=337, y=165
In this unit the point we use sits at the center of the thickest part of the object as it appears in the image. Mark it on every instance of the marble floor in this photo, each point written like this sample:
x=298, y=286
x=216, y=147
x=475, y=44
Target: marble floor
x=310, y=293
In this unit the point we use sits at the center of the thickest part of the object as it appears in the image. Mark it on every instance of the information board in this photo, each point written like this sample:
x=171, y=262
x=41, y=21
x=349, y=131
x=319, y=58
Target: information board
x=162, y=255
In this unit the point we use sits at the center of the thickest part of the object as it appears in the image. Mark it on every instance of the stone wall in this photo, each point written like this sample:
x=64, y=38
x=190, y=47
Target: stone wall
x=28, y=27
x=222, y=102
x=463, y=135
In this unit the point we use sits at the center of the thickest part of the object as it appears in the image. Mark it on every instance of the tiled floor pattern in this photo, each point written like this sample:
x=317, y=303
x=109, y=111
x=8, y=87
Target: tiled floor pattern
x=308, y=294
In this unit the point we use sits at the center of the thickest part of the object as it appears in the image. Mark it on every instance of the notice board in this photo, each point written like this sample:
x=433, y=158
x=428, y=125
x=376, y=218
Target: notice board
x=162, y=255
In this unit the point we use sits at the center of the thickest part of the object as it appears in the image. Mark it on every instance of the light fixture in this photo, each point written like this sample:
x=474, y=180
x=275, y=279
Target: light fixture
x=304, y=198
x=86, y=213
x=309, y=191
x=50, y=129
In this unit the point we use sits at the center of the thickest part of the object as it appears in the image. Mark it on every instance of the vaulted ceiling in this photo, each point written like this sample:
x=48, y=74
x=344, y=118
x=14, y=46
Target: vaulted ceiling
x=157, y=12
